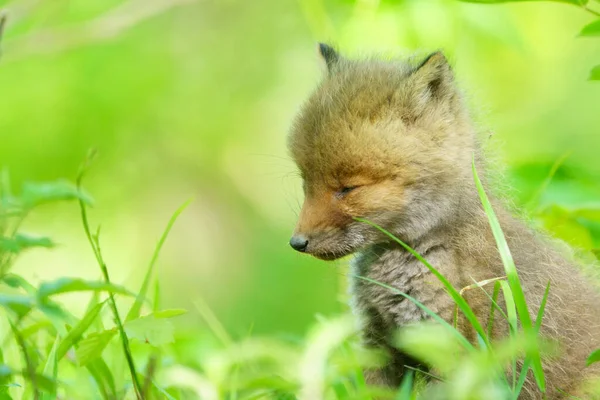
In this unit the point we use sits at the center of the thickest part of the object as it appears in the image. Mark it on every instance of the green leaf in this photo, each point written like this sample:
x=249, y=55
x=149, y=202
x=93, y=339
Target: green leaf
x=36, y=327
x=22, y=242
x=91, y=347
x=16, y=281
x=98, y=369
x=78, y=330
x=595, y=73
x=46, y=384
x=9, y=245
x=406, y=388
x=155, y=331
x=592, y=29
x=593, y=358
x=51, y=369
x=20, y=304
x=513, y=279
x=34, y=194
x=67, y=285
x=103, y=377
x=136, y=308
x=56, y=315
x=340, y=389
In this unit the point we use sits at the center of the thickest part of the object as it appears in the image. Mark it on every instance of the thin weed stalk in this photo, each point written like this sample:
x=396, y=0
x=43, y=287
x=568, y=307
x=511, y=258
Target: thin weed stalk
x=94, y=242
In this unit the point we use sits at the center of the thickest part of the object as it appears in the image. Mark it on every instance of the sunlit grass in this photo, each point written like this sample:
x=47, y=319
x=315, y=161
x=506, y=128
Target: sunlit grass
x=45, y=346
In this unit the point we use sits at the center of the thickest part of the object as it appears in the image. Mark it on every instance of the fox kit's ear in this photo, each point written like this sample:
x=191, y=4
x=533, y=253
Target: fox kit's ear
x=329, y=55
x=433, y=79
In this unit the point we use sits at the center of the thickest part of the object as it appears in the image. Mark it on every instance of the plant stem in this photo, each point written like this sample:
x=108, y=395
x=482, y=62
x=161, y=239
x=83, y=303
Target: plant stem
x=94, y=242
x=2, y=24
x=28, y=364
x=593, y=12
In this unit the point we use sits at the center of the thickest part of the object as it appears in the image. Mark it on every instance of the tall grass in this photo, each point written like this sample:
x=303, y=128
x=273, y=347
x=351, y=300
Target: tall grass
x=45, y=346
x=36, y=319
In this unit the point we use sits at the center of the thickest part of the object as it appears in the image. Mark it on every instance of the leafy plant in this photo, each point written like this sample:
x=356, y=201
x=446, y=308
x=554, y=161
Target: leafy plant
x=53, y=345
x=35, y=316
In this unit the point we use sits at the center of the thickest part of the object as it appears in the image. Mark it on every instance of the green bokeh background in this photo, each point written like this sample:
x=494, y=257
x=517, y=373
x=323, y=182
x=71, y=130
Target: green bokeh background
x=196, y=102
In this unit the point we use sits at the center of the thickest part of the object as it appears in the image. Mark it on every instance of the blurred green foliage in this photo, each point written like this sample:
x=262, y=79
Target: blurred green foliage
x=186, y=98
x=194, y=98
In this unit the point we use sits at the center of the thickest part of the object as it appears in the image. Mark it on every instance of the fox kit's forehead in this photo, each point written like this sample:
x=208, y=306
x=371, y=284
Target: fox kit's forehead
x=373, y=134
x=377, y=115
x=339, y=123
x=353, y=91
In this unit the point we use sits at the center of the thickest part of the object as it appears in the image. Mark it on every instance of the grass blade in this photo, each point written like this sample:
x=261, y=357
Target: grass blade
x=406, y=388
x=51, y=369
x=157, y=297
x=540, y=315
x=493, y=307
x=29, y=367
x=593, y=358
x=94, y=243
x=213, y=322
x=511, y=312
x=134, y=311
x=163, y=391
x=533, y=202
x=466, y=344
x=479, y=285
x=69, y=285
x=103, y=377
x=513, y=279
x=527, y=362
x=78, y=330
x=458, y=299
x=91, y=348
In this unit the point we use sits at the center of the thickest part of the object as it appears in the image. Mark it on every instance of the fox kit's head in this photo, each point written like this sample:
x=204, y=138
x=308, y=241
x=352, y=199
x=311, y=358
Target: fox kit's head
x=384, y=140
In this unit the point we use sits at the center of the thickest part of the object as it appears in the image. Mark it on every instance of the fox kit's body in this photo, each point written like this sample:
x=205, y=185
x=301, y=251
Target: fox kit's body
x=392, y=142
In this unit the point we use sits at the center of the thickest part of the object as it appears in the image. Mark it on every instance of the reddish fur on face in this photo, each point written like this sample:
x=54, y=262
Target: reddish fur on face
x=391, y=130
x=392, y=142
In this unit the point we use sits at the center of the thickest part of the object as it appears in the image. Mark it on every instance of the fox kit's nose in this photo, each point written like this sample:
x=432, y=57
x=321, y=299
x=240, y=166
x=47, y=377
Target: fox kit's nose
x=299, y=242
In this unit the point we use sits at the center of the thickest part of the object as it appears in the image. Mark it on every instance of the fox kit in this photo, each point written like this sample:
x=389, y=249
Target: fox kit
x=392, y=142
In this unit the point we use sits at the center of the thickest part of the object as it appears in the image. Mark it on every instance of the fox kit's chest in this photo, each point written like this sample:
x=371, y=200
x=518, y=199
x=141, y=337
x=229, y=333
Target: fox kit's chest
x=395, y=272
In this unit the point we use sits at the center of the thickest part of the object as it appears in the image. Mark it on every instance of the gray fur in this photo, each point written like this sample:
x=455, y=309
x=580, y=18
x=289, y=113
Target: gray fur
x=400, y=136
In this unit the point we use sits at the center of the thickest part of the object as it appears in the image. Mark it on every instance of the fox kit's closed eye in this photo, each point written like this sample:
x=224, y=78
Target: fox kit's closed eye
x=391, y=141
